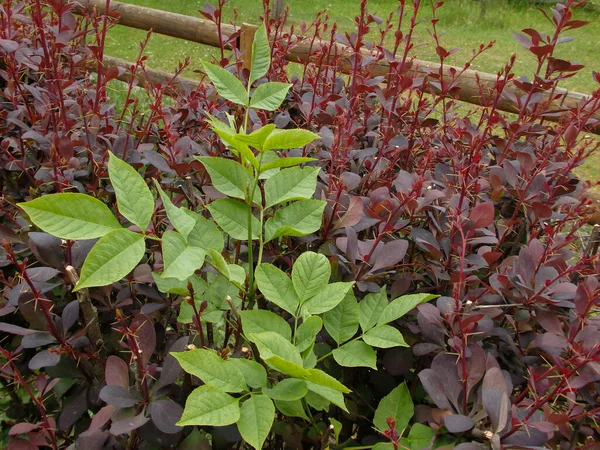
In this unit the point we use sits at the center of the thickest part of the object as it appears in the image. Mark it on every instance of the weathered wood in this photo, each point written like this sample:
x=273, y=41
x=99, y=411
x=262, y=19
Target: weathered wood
x=246, y=39
x=278, y=7
x=205, y=32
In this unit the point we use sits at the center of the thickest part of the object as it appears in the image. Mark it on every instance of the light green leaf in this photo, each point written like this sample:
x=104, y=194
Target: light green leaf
x=277, y=287
x=273, y=344
x=291, y=409
x=259, y=321
x=371, y=308
x=307, y=332
x=237, y=274
x=342, y=321
x=205, y=233
x=256, y=419
x=227, y=176
x=337, y=427
x=254, y=373
x=212, y=369
x=71, y=216
x=210, y=406
x=178, y=217
x=180, y=260
x=179, y=287
x=383, y=446
x=261, y=55
x=232, y=217
x=319, y=377
x=284, y=366
x=287, y=139
x=218, y=262
x=285, y=162
x=355, y=354
x=400, y=306
x=310, y=274
x=420, y=437
x=134, y=199
x=384, y=336
x=327, y=298
x=317, y=402
x=111, y=258
x=398, y=405
x=291, y=184
x=288, y=390
x=227, y=85
x=269, y=96
x=257, y=138
x=298, y=219
x=334, y=396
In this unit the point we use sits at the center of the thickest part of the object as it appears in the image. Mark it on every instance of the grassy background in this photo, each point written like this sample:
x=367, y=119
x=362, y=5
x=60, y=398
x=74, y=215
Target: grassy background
x=460, y=20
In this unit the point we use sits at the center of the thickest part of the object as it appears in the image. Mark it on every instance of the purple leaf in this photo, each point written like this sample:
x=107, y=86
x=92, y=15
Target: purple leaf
x=123, y=426
x=22, y=428
x=457, y=423
x=118, y=396
x=495, y=398
x=20, y=444
x=70, y=315
x=171, y=367
x=482, y=215
x=116, y=372
x=145, y=336
x=15, y=329
x=391, y=254
x=37, y=339
x=74, y=408
x=44, y=359
x=165, y=414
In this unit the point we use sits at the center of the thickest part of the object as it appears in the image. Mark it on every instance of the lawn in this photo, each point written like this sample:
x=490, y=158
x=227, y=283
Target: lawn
x=460, y=20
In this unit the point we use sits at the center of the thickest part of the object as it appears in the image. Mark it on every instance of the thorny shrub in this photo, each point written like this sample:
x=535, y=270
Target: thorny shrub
x=471, y=214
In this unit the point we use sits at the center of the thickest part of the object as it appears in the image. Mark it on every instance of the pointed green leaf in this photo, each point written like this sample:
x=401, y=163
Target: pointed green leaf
x=420, y=437
x=310, y=274
x=398, y=405
x=177, y=216
x=384, y=336
x=371, y=308
x=284, y=366
x=218, y=262
x=180, y=260
x=227, y=85
x=327, y=298
x=269, y=96
x=288, y=139
x=179, y=287
x=232, y=217
x=134, y=199
x=319, y=377
x=306, y=333
x=261, y=55
x=71, y=216
x=210, y=406
x=400, y=306
x=259, y=321
x=284, y=162
x=205, y=233
x=342, y=321
x=277, y=287
x=287, y=390
x=256, y=419
x=335, y=397
x=291, y=409
x=298, y=219
x=317, y=402
x=355, y=354
x=257, y=138
x=290, y=184
x=212, y=369
x=111, y=258
x=227, y=176
x=254, y=373
x=273, y=344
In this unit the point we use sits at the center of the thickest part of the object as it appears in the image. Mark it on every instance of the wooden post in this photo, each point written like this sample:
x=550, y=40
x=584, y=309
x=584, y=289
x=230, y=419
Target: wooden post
x=246, y=39
x=278, y=8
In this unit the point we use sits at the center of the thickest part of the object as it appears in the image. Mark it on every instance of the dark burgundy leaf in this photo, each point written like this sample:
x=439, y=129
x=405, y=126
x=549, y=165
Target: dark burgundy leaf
x=75, y=407
x=495, y=398
x=20, y=444
x=47, y=248
x=45, y=358
x=116, y=372
x=145, y=336
x=70, y=315
x=127, y=424
x=457, y=423
x=171, y=367
x=14, y=329
x=391, y=254
x=165, y=414
x=22, y=428
x=482, y=215
x=118, y=396
x=37, y=339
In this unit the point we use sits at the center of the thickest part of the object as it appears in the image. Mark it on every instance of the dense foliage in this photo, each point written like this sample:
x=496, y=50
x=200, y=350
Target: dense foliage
x=306, y=261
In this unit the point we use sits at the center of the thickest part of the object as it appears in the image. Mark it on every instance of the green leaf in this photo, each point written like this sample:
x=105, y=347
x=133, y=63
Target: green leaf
x=134, y=199
x=256, y=419
x=307, y=332
x=317, y=402
x=227, y=85
x=291, y=184
x=254, y=373
x=420, y=437
x=398, y=405
x=71, y=216
x=232, y=217
x=342, y=321
x=291, y=409
x=269, y=96
x=355, y=354
x=384, y=336
x=371, y=308
x=179, y=287
x=180, y=260
x=327, y=298
x=288, y=390
x=205, y=233
x=259, y=321
x=178, y=217
x=285, y=162
x=257, y=138
x=402, y=305
x=111, y=258
x=287, y=139
x=212, y=369
x=335, y=397
x=210, y=406
x=277, y=287
x=319, y=377
x=383, y=446
x=218, y=262
x=273, y=344
x=310, y=274
x=227, y=176
x=261, y=55
x=337, y=427
x=298, y=219
x=284, y=366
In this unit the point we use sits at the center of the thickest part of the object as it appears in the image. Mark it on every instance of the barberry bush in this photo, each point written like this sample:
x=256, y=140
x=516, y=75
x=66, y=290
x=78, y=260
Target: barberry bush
x=316, y=260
